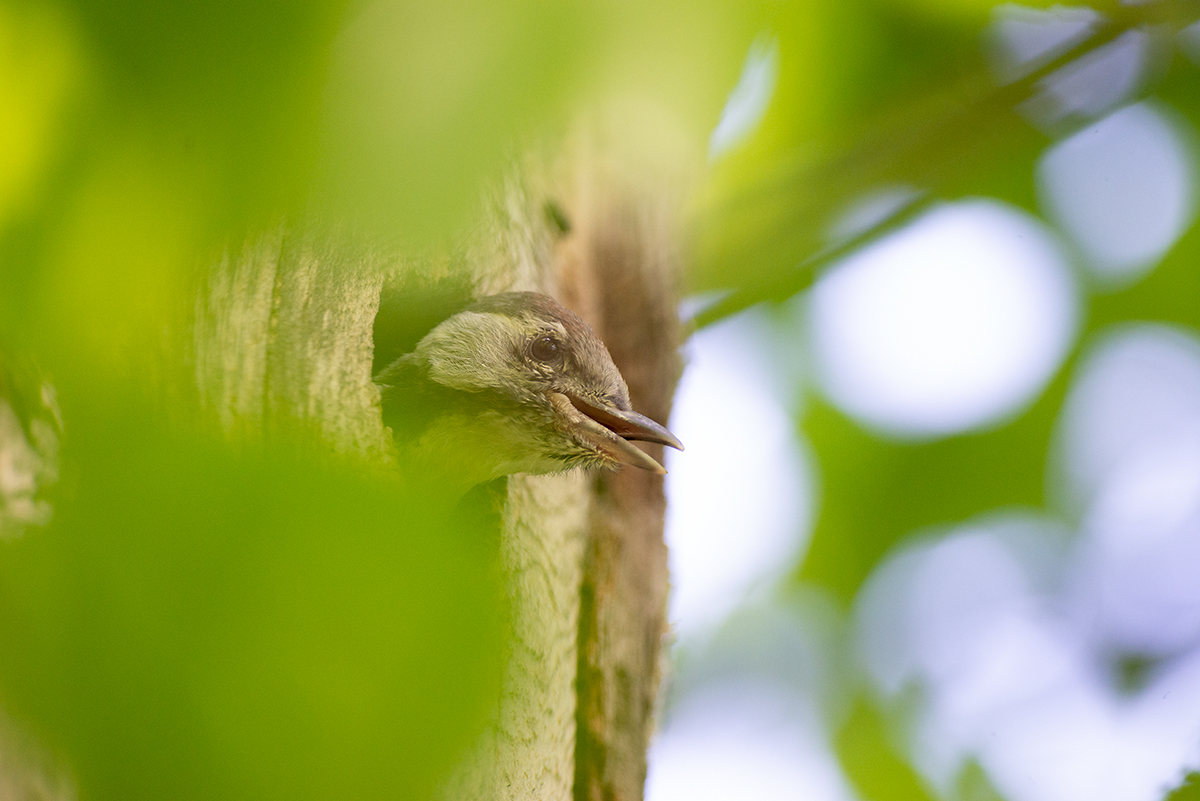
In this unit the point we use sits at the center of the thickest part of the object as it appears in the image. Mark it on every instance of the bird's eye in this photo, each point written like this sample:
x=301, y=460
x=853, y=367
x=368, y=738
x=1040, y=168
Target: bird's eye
x=545, y=349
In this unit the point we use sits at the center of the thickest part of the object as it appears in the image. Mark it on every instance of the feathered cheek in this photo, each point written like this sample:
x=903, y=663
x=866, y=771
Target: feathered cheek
x=542, y=374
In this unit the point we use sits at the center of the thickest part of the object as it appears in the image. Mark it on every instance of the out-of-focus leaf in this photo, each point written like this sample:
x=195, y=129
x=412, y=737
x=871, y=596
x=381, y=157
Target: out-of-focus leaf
x=974, y=11
x=39, y=69
x=117, y=259
x=232, y=86
x=868, y=755
x=766, y=222
x=196, y=625
x=425, y=100
x=875, y=491
x=1188, y=790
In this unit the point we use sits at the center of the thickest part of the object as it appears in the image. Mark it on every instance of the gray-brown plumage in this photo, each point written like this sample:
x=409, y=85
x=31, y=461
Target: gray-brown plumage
x=513, y=383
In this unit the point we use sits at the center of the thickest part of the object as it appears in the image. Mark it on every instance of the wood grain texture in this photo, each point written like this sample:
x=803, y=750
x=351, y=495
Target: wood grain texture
x=619, y=270
x=528, y=752
x=283, y=341
x=28, y=772
x=30, y=429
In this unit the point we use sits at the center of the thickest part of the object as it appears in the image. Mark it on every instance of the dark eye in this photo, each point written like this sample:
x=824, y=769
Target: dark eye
x=545, y=349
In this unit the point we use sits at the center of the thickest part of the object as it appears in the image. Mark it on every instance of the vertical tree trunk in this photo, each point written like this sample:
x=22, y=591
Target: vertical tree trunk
x=29, y=441
x=585, y=552
x=529, y=750
x=283, y=341
x=620, y=266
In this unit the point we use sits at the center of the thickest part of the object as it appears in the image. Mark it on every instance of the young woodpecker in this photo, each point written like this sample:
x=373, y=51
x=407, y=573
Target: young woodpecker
x=513, y=383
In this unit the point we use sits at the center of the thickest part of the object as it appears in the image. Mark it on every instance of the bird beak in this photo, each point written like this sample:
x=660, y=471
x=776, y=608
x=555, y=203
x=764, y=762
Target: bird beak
x=627, y=425
x=613, y=430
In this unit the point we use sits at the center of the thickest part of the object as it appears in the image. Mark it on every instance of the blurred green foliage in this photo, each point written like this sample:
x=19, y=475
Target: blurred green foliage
x=1188, y=790
x=205, y=622
x=891, y=95
x=873, y=760
x=197, y=625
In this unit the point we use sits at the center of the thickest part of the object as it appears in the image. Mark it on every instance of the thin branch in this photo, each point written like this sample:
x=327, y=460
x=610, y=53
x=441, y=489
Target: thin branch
x=781, y=219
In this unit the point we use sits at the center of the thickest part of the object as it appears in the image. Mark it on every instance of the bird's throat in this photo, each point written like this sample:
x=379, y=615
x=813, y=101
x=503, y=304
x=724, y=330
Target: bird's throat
x=458, y=450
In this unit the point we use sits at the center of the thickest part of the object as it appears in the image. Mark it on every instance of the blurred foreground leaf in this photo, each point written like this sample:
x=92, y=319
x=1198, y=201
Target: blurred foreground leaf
x=195, y=625
x=1188, y=790
x=871, y=761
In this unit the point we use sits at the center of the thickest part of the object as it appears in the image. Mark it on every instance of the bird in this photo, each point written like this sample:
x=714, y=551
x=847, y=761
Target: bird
x=512, y=383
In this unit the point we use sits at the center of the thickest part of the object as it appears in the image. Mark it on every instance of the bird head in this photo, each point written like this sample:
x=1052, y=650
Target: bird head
x=523, y=385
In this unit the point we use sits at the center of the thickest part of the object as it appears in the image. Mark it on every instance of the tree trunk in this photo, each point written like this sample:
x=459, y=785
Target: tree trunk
x=620, y=265
x=283, y=343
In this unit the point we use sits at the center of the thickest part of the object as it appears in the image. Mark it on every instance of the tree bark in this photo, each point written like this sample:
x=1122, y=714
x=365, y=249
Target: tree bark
x=30, y=425
x=283, y=341
x=620, y=266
